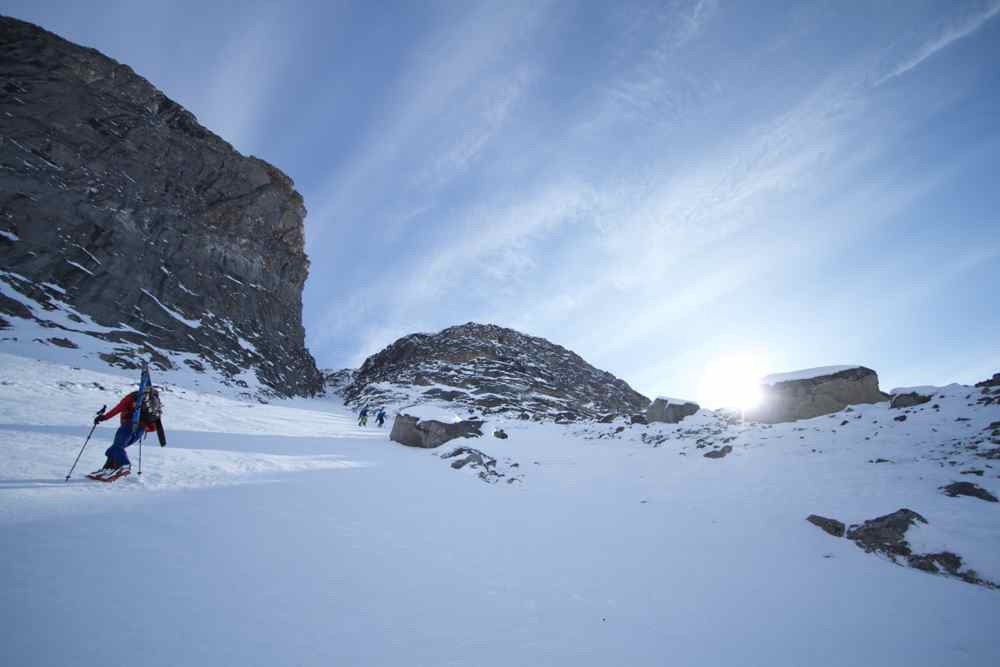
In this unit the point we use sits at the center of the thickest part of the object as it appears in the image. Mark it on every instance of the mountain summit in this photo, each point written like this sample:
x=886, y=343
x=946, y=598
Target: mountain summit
x=492, y=369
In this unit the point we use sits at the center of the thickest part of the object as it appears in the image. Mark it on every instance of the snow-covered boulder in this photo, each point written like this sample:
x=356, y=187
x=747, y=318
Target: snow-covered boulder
x=670, y=410
x=815, y=391
x=429, y=433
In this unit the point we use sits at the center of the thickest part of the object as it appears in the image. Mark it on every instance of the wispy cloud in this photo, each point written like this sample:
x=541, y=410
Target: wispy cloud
x=452, y=67
x=241, y=78
x=949, y=31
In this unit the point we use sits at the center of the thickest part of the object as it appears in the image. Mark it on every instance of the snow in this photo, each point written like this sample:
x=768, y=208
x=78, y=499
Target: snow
x=286, y=534
x=805, y=374
x=10, y=236
x=54, y=287
x=194, y=324
x=80, y=266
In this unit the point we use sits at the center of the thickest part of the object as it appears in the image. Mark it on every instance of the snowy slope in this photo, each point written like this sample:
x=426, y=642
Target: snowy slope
x=320, y=543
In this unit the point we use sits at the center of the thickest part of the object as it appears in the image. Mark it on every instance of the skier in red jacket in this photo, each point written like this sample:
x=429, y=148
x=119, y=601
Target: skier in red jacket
x=118, y=463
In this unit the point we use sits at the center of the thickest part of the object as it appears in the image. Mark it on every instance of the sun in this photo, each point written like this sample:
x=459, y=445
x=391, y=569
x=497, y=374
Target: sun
x=733, y=381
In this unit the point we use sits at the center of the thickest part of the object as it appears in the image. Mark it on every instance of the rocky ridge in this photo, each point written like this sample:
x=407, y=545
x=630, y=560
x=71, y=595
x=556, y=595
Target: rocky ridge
x=490, y=369
x=117, y=206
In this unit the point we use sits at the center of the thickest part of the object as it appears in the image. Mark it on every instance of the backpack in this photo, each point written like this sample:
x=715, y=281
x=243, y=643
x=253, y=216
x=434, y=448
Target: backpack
x=152, y=408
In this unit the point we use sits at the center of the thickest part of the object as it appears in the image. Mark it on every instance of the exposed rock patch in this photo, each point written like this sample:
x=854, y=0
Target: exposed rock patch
x=886, y=535
x=486, y=466
x=956, y=489
x=719, y=453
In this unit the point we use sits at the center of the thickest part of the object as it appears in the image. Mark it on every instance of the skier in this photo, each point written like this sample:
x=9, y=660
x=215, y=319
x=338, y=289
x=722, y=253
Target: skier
x=363, y=417
x=380, y=417
x=117, y=463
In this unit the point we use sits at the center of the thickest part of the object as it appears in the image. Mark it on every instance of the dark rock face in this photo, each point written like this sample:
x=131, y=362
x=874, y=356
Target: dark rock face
x=956, y=489
x=831, y=526
x=804, y=399
x=430, y=433
x=670, y=411
x=116, y=202
x=908, y=400
x=493, y=370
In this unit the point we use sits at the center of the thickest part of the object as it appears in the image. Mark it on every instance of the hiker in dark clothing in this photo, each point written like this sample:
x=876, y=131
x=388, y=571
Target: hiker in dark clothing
x=380, y=417
x=363, y=417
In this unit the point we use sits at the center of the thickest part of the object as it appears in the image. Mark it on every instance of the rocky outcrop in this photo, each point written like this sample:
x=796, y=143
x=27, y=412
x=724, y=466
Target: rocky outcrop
x=815, y=395
x=492, y=370
x=670, y=410
x=908, y=400
x=886, y=535
x=115, y=204
x=430, y=433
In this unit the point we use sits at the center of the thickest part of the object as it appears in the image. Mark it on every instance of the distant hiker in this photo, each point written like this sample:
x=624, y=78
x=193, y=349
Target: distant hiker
x=363, y=417
x=118, y=464
x=380, y=417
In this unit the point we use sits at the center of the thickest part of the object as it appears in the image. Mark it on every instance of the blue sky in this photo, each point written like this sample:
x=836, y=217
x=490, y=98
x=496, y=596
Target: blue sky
x=661, y=187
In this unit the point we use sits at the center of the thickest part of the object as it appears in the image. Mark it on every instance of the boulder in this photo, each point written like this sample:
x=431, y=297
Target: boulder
x=670, y=410
x=814, y=392
x=429, y=433
x=908, y=400
x=500, y=433
x=831, y=526
x=719, y=453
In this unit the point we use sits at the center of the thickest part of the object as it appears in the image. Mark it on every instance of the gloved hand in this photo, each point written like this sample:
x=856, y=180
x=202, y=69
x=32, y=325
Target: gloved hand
x=97, y=420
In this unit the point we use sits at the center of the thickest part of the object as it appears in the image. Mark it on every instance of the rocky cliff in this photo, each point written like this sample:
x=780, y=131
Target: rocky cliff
x=115, y=204
x=491, y=369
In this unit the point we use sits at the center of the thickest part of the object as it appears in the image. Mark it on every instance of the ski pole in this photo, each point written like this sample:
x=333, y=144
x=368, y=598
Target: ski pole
x=140, y=450
x=99, y=413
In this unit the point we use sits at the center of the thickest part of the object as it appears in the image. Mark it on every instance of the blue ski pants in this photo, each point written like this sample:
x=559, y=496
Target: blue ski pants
x=123, y=438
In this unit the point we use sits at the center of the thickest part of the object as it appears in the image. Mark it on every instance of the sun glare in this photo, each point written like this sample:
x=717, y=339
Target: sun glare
x=733, y=382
